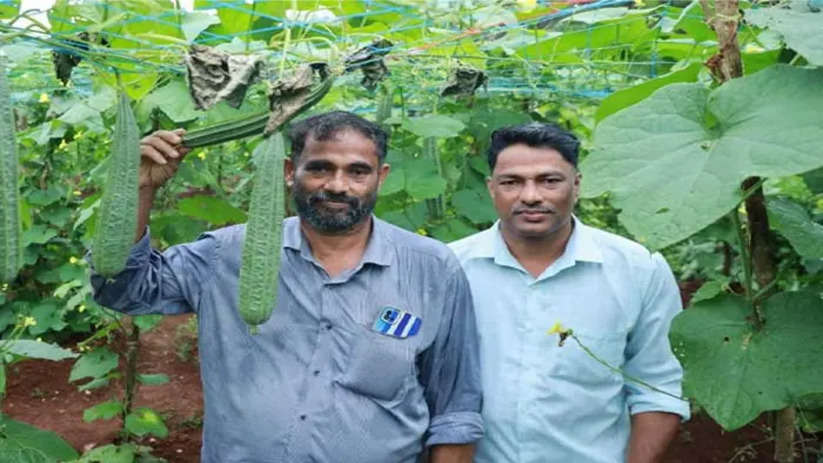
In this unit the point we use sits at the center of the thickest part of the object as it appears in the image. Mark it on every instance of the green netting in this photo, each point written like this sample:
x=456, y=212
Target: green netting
x=582, y=49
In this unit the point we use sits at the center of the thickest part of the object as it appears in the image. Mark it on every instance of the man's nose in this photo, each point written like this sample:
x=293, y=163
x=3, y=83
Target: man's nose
x=529, y=193
x=337, y=183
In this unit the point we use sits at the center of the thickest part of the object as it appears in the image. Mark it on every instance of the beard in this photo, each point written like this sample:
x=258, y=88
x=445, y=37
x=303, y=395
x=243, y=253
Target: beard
x=332, y=221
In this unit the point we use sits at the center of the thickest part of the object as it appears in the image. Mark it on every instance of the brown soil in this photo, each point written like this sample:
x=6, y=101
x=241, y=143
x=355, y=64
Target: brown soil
x=39, y=393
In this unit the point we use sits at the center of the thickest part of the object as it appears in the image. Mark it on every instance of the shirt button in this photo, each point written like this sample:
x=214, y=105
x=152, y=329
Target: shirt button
x=316, y=372
x=303, y=417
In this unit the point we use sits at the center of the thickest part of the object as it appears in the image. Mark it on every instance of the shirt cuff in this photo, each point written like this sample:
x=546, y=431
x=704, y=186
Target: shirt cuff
x=455, y=428
x=668, y=405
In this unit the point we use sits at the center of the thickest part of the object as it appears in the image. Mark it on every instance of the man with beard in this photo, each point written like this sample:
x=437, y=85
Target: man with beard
x=539, y=267
x=371, y=352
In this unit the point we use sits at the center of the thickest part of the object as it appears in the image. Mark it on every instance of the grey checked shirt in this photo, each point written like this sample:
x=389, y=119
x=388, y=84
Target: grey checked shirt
x=318, y=384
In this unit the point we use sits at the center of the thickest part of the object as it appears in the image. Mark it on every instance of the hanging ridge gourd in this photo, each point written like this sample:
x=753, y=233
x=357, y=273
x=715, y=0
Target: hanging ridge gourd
x=117, y=217
x=260, y=268
x=10, y=249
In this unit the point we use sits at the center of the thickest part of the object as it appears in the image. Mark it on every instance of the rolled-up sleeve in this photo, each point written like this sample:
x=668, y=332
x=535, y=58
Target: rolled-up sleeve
x=450, y=370
x=649, y=355
x=154, y=282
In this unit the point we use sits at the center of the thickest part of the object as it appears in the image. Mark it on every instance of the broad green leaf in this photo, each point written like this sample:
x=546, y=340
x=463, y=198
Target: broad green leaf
x=708, y=290
x=736, y=372
x=147, y=322
x=422, y=179
x=793, y=222
x=104, y=411
x=38, y=350
x=94, y=384
x=814, y=180
x=799, y=26
x=674, y=162
x=48, y=316
x=173, y=99
x=153, y=379
x=38, y=234
x=30, y=440
x=176, y=228
x=194, y=22
x=475, y=205
x=44, y=197
x=211, y=209
x=109, y=454
x=434, y=125
x=629, y=96
x=95, y=364
x=396, y=181
x=452, y=230
x=146, y=421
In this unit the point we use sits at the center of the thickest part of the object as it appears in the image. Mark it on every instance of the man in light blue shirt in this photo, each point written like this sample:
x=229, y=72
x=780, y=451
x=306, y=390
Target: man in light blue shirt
x=545, y=401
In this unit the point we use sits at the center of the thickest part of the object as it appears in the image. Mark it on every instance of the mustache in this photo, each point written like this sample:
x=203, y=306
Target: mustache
x=322, y=196
x=542, y=210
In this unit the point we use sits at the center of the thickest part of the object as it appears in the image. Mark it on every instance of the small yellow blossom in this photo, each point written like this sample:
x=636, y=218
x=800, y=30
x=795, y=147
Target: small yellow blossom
x=422, y=231
x=44, y=98
x=77, y=192
x=73, y=260
x=62, y=145
x=201, y=155
x=79, y=135
x=557, y=328
x=29, y=321
x=81, y=308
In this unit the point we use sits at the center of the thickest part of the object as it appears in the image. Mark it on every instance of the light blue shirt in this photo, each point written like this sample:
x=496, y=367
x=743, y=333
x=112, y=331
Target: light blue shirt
x=546, y=403
x=319, y=383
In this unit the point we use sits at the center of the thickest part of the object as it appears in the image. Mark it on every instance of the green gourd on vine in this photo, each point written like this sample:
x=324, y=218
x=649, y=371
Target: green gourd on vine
x=259, y=271
x=10, y=248
x=117, y=216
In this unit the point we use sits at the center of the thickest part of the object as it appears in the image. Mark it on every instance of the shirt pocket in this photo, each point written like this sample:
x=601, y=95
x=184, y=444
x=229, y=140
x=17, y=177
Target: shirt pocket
x=378, y=366
x=574, y=363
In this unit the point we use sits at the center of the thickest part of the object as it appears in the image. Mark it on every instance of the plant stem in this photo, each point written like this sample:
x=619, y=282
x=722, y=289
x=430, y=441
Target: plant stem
x=130, y=374
x=621, y=372
x=746, y=260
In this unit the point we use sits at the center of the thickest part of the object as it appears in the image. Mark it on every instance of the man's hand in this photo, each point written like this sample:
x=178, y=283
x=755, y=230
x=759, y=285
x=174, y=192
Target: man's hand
x=160, y=155
x=651, y=434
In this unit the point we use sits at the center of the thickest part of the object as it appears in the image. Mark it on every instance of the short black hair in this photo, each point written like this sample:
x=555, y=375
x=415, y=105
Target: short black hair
x=536, y=135
x=323, y=127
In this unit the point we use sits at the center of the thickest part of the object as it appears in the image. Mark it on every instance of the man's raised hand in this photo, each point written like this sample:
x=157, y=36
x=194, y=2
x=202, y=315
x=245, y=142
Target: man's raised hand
x=160, y=155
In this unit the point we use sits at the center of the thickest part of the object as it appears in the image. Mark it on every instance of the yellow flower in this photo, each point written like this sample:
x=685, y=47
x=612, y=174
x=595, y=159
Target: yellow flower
x=78, y=135
x=81, y=308
x=44, y=98
x=557, y=328
x=77, y=192
x=201, y=155
x=73, y=260
x=422, y=231
x=62, y=145
x=29, y=321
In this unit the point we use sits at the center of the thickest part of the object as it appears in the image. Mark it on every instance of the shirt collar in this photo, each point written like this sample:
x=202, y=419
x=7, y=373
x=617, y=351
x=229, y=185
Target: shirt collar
x=378, y=249
x=581, y=247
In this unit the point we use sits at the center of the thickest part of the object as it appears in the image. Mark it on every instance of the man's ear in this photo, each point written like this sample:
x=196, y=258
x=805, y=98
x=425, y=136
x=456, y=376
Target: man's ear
x=382, y=173
x=288, y=172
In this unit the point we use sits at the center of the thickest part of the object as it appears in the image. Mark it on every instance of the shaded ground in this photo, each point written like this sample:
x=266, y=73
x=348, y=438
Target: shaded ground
x=39, y=393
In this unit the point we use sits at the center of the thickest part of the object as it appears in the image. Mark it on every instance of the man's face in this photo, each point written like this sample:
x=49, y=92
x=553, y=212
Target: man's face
x=335, y=182
x=534, y=191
